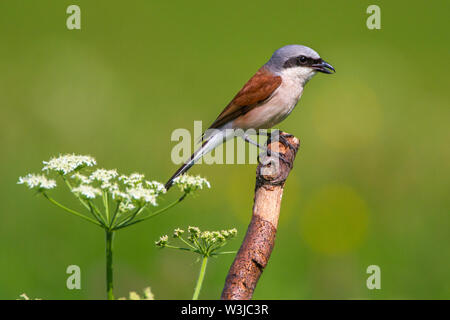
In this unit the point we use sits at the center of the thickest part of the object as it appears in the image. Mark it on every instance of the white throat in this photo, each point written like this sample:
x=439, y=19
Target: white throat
x=298, y=75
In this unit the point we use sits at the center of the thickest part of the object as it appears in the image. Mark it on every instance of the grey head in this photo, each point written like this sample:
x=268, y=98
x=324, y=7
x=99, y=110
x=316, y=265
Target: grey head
x=300, y=57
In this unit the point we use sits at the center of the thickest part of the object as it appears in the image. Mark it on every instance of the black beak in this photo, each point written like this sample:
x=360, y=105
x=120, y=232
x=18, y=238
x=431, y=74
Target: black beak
x=323, y=67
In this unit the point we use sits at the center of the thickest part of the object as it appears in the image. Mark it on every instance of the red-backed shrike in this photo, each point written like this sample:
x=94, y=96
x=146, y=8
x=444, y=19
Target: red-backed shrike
x=265, y=100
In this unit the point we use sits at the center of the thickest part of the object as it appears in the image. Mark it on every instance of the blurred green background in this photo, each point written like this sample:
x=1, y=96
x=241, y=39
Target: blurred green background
x=371, y=182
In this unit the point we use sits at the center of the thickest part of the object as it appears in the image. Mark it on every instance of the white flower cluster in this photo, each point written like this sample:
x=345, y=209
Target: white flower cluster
x=104, y=176
x=138, y=191
x=132, y=191
x=211, y=237
x=189, y=184
x=133, y=295
x=68, y=163
x=206, y=243
x=133, y=179
x=37, y=181
x=157, y=186
x=177, y=232
x=142, y=195
x=162, y=241
x=126, y=206
x=86, y=191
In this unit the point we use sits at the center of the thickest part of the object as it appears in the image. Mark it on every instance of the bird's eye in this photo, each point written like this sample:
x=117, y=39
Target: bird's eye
x=302, y=59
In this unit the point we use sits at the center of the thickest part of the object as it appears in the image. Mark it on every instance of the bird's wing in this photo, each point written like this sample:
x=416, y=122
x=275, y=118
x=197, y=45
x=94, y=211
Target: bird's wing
x=259, y=88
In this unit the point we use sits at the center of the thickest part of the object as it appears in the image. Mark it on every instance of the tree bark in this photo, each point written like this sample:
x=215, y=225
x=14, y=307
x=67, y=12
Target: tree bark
x=254, y=254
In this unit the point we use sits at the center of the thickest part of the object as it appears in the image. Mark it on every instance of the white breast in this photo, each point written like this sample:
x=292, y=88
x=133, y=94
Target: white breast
x=276, y=108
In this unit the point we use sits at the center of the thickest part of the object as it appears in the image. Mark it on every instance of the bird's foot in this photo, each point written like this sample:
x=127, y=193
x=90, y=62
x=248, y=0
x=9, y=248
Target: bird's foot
x=277, y=135
x=265, y=155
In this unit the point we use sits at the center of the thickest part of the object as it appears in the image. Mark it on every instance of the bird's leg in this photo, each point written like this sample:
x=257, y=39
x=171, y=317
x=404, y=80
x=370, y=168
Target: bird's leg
x=266, y=150
x=247, y=139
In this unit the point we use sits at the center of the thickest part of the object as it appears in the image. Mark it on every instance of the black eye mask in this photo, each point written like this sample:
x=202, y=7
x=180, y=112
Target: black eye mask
x=301, y=61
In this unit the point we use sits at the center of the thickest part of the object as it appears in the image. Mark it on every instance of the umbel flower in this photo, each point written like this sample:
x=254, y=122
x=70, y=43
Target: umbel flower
x=68, y=163
x=189, y=184
x=37, y=181
x=87, y=192
x=112, y=200
x=124, y=197
x=205, y=243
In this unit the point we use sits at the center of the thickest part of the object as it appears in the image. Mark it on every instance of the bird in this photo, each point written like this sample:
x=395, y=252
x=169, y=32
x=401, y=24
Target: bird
x=264, y=101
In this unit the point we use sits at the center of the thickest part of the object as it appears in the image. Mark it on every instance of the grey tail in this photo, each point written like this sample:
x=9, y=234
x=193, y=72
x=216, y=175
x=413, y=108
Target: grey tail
x=208, y=145
x=187, y=165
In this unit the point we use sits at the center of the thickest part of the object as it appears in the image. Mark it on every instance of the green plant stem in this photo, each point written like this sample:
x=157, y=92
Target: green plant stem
x=106, y=205
x=223, y=252
x=187, y=243
x=154, y=214
x=113, y=219
x=124, y=222
x=76, y=196
x=109, y=264
x=180, y=248
x=201, y=276
x=71, y=211
x=96, y=213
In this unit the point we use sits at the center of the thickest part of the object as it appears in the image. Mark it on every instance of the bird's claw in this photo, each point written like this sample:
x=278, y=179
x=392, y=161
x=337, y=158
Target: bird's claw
x=277, y=135
x=271, y=153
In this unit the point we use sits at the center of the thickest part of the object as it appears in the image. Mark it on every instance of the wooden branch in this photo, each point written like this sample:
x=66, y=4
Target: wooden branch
x=259, y=241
